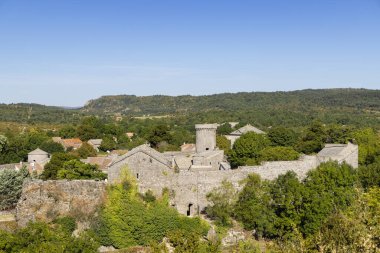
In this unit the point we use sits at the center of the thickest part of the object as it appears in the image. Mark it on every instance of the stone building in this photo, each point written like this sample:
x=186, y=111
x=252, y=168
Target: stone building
x=243, y=130
x=191, y=175
x=37, y=159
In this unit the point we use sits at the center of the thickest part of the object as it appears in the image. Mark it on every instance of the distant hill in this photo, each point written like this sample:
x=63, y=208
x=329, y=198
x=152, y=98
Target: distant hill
x=29, y=113
x=358, y=99
x=359, y=107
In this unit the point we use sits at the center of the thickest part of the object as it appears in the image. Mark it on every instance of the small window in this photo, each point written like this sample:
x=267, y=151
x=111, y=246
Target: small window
x=150, y=160
x=137, y=175
x=207, y=148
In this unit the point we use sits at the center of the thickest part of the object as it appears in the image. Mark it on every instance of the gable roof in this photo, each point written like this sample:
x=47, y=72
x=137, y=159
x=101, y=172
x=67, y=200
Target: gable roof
x=95, y=141
x=102, y=161
x=38, y=151
x=71, y=142
x=247, y=128
x=188, y=147
x=146, y=149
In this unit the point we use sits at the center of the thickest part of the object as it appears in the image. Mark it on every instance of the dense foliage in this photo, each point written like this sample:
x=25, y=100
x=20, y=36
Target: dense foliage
x=40, y=237
x=342, y=106
x=11, y=186
x=128, y=220
x=75, y=169
x=334, y=209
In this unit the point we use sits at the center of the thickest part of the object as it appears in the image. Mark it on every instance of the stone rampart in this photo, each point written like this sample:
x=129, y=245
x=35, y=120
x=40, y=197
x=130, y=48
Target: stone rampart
x=47, y=200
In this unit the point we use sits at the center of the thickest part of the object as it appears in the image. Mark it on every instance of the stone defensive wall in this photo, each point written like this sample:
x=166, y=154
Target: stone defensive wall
x=47, y=200
x=191, y=187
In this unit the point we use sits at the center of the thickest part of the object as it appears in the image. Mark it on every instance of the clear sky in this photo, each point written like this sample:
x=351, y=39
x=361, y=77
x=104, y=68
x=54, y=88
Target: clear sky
x=66, y=52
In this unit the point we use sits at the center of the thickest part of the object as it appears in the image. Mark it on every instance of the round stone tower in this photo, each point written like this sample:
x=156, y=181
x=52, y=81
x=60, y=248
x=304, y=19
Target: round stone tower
x=205, y=137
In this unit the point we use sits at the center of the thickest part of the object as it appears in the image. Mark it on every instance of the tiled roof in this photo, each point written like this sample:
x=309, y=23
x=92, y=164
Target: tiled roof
x=102, y=161
x=188, y=147
x=71, y=142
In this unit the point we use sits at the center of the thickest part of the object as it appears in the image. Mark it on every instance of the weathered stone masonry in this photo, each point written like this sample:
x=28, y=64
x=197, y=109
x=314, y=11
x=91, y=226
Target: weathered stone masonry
x=155, y=171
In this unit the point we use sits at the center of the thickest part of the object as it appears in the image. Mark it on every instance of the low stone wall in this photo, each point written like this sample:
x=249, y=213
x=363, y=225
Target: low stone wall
x=47, y=200
x=271, y=170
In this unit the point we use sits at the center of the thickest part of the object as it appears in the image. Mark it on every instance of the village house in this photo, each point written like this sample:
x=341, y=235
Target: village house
x=72, y=143
x=243, y=130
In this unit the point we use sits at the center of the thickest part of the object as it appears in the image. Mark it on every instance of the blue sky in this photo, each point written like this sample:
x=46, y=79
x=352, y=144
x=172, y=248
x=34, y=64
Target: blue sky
x=67, y=52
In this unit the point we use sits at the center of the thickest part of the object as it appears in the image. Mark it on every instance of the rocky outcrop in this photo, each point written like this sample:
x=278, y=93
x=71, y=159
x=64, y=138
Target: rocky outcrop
x=47, y=200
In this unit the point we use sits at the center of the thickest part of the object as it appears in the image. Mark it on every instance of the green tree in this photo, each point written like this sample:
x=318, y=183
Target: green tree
x=67, y=132
x=85, y=150
x=338, y=134
x=313, y=139
x=328, y=188
x=223, y=143
x=369, y=175
x=222, y=199
x=278, y=154
x=369, y=145
x=354, y=230
x=11, y=186
x=108, y=144
x=127, y=220
x=159, y=134
x=247, y=148
x=287, y=198
x=224, y=129
x=281, y=136
x=52, y=147
x=3, y=143
x=75, y=169
x=40, y=237
x=55, y=164
x=253, y=207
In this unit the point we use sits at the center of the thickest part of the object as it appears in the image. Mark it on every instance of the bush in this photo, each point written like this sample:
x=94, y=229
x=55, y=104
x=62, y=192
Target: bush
x=68, y=224
x=52, y=147
x=278, y=154
x=40, y=237
x=11, y=187
x=55, y=164
x=370, y=175
x=86, y=150
x=75, y=169
x=223, y=199
x=127, y=220
x=281, y=136
x=247, y=147
x=328, y=188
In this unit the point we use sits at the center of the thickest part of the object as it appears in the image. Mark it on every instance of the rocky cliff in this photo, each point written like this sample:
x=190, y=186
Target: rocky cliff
x=47, y=200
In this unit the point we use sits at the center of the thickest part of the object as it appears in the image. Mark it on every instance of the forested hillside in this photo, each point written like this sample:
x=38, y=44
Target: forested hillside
x=339, y=99
x=31, y=113
x=359, y=107
x=343, y=106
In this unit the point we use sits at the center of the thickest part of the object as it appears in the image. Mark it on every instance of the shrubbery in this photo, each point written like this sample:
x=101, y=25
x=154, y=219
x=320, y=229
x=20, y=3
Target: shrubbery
x=127, y=220
x=286, y=207
x=40, y=237
x=11, y=187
